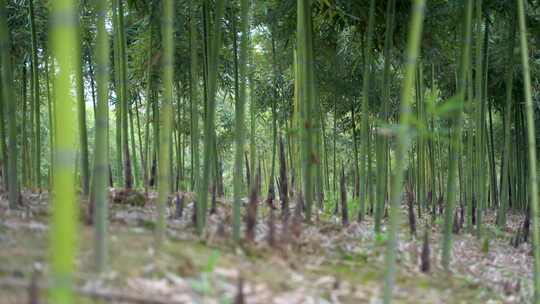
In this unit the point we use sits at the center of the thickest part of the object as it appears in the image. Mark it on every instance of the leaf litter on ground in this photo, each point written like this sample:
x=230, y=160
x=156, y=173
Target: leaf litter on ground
x=326, y=264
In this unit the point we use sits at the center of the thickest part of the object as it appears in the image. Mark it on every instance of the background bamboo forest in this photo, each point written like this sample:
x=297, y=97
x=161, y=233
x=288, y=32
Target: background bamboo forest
x=277, y=151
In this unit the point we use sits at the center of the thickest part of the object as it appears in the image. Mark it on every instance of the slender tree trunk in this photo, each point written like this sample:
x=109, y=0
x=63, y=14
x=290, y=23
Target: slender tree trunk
x=194, y=96
x=64, y=220
x=306, y=98
x=83, y=136
x=91, y=76
x=275, y=94
x=455, y=138
x=140, y=138
x=101, y=153
x=213, y=59
x=166, y=115
x=334, y=137
x=51, y=116
x=117, y=81
x=493, y=169
x=3, y=137
x=283, y=182
x=509, y=79
x=24, y=140
x=364, y=132
x=413, y=46
x=179, y=143
x=382, y=142
x=35, y=97
x=149, y=102
x=356, y=179
x=133, y=146
x=123, y=93
x=240, y=110
x=480, y=118
x=531, y=138
x=6, y=78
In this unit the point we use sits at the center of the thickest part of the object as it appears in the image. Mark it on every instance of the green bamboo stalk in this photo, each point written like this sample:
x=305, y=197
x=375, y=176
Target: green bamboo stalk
x=35, y=96
x=491, y=147
x=455, y=138
x=128, y=175
x=432, y=143
x=83, y=134
x=101, y=153
x=334, y=136
x=3, y=137
x=239, y=123
x=509, y=79
x=271, y=190
x=9, y=104
x=470, y=155
x=64, y=217
x=149, y=94
x=480, y=110
x=382, y=163
x=531, y=138
x=317, y=140
x=420, y=145
x=355, y=152
x=364, y=132
x=209, y=126
x=411, y=56
x=166, y=116
x=194, y=91
x=176, y=186
x=117, y=81
x=140, y=139
x=24, y=140
x=50, y=110
x=294, y=140
x=370, y=169
x=252, y=126
x=305, y=97
x=133, y=145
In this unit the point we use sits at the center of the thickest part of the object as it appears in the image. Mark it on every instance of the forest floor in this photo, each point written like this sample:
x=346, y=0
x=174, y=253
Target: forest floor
x=325, y=264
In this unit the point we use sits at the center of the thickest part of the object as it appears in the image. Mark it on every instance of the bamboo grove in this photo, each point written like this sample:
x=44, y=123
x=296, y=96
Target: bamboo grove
x=314, y=109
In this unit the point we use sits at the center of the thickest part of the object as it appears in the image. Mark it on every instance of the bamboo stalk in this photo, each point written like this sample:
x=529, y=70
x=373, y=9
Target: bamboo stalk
x=531, y=138
x=411, y=56
x=10, y=103
x=101, y=152
x=64, y=217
